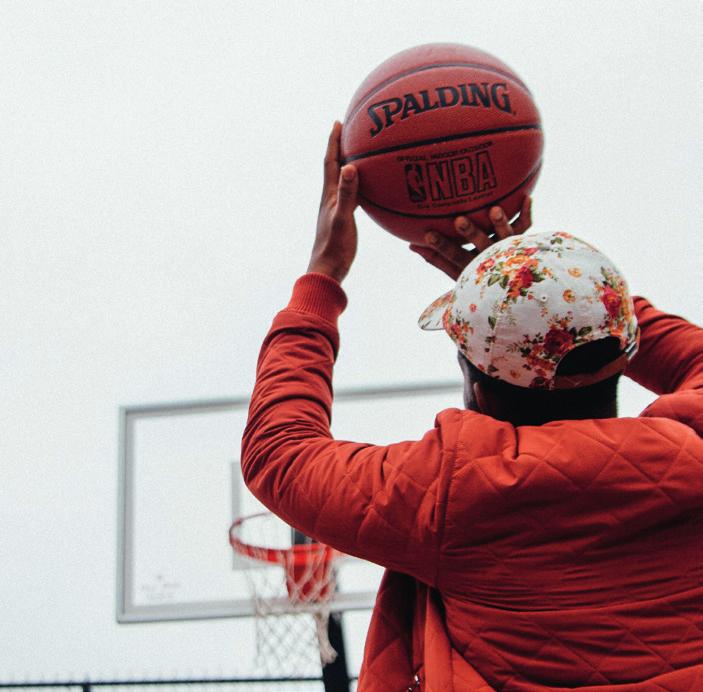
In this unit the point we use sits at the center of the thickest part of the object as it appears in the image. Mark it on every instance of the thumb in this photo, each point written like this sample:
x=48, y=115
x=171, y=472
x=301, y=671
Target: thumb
x=347, y=189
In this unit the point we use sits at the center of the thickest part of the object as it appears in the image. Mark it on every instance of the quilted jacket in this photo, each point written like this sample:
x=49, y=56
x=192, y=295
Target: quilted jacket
x=562, y=556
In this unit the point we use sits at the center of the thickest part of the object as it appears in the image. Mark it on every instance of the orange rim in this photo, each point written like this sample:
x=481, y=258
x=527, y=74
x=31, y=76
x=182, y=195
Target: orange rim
x=296, y=555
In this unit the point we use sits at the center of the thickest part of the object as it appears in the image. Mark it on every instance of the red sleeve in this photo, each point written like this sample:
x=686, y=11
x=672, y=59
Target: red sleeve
x=381, y=503
x=670, y=356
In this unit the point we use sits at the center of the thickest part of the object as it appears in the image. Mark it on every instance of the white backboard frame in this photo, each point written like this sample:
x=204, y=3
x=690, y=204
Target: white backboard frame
x=145, y=434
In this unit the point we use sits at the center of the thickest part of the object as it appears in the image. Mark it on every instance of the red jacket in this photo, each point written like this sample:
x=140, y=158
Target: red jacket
x=562, y=556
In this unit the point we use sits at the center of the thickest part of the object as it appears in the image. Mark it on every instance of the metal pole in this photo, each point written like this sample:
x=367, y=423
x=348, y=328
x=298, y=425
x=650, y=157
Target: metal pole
x=335, y=675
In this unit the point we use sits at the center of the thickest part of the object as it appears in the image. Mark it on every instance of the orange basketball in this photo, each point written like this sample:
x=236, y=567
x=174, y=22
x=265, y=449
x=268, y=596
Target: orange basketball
x=438, y=131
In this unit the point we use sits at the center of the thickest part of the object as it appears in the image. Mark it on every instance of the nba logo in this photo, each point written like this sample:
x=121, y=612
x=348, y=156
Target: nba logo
x=415, y=182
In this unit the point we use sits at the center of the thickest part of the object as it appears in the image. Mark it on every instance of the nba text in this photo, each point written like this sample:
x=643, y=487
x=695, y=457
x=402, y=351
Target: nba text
x=462, y=176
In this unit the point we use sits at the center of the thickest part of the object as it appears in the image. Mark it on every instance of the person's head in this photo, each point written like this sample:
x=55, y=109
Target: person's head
x=544, y=326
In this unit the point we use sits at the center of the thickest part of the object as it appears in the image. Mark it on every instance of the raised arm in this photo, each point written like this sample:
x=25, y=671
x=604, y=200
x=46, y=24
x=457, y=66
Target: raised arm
x=383, y=504
x=670, y=356
x=379, y=503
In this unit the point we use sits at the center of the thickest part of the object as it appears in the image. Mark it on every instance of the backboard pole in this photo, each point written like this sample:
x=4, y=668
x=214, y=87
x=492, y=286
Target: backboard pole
x=335, y=675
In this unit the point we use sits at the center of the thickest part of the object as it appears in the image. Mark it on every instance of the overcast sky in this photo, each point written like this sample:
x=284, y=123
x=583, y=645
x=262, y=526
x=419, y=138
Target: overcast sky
x=160, y=168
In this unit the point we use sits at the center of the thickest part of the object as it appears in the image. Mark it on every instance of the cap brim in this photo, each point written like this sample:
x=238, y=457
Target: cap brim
x=432, y=316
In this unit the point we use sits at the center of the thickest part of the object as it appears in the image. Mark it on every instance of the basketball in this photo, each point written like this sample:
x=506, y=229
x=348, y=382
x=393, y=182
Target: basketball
x=438, y=131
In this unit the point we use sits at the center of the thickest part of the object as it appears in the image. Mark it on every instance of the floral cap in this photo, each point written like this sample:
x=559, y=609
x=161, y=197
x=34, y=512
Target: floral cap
x=521, y=305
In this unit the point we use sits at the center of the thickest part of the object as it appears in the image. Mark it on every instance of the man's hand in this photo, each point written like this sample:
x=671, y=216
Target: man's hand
x=335, y=242
x=451, y=257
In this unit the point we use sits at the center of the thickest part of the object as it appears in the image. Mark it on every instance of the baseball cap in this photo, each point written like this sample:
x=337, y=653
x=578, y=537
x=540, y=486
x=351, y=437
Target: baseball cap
x=526, y=301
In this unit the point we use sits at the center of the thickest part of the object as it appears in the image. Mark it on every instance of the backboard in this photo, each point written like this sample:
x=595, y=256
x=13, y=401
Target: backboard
x=181, y=488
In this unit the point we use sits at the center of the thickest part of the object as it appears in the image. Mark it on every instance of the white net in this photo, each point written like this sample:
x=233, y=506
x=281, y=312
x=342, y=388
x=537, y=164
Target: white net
x=291, y=581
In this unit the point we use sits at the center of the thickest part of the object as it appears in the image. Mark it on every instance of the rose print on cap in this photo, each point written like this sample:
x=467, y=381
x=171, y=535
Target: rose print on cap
x=526, y=301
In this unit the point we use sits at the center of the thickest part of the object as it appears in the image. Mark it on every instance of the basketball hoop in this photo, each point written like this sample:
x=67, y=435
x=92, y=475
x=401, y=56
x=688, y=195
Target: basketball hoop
x=284, y=601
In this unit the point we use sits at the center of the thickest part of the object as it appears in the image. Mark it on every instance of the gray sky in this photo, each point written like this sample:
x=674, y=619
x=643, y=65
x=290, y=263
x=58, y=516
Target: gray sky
x=161, y=170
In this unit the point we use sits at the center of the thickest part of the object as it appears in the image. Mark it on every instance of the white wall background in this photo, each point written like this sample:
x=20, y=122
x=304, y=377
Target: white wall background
x=160, y=168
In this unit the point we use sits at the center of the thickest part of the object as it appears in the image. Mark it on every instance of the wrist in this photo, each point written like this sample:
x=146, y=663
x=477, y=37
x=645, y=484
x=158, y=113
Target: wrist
x=329, y=268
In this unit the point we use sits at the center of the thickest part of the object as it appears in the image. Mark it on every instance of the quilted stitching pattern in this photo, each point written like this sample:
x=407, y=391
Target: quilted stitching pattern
x=565, y=556
x=569, y=596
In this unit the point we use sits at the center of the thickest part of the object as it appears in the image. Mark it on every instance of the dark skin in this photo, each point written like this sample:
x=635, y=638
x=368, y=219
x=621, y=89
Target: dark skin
x=336, y=240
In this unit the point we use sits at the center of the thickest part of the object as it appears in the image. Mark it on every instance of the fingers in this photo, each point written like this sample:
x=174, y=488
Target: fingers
x=451, y=257
x=437, y=260
x=451, y=250
x=445, y=254
x=331, y=165
x=501, y=224
x=524, y=220
x=471, y=233
x=347, y=190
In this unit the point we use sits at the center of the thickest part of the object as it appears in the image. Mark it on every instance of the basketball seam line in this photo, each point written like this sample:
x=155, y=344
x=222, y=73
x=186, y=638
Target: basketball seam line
x=527, y=179
x=438, y=140
x=423, y=68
